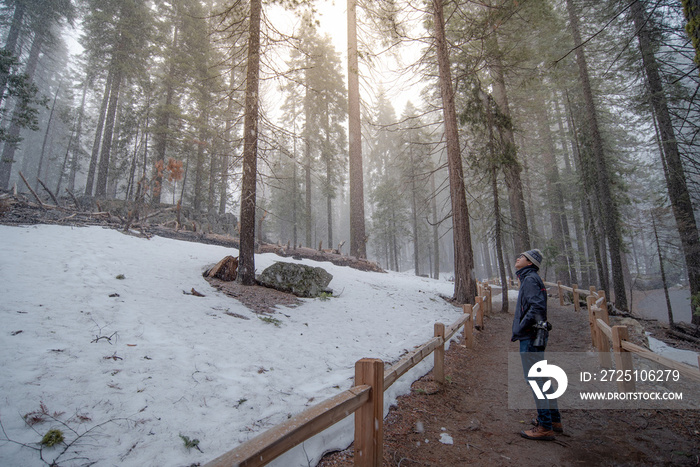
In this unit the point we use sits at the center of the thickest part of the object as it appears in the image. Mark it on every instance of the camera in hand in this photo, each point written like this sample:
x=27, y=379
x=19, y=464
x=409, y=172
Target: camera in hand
x=542, y=329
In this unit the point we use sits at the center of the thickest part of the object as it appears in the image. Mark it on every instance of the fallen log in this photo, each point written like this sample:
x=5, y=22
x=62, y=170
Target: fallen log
x=53, y=197
x=683, y=336
x=41, y=203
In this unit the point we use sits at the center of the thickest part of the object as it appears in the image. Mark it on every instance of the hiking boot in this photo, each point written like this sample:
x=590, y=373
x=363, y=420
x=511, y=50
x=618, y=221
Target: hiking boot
x=556, y=426
x=538, y=433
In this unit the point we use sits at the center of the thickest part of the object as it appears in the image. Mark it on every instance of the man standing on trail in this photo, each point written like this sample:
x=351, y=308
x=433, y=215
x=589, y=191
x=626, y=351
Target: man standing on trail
x=531, y=317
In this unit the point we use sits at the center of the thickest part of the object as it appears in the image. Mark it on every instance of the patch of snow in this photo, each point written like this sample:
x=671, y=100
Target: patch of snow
x=497, y=296
x=685, y=356
x=446, y=439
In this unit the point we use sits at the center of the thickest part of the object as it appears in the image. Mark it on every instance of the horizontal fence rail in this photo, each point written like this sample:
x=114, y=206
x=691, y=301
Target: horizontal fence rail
x=279, y=439
x=365, y=399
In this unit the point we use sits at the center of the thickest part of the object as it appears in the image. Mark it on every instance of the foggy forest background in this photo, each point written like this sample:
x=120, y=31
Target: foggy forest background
x=577, y=123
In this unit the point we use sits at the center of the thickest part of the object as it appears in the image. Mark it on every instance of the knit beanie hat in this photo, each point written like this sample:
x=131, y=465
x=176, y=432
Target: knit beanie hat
x=535, y=257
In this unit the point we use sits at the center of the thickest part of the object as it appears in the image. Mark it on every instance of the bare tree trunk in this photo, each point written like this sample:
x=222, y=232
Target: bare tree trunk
x=358, y=245
x=225, y=157
x=527, y=193
x=436, y=233
x=499, y=246
x=596, y=239
x=608, y=205
x=574, y=254
x=76, y=145
x=307, y=201
x=673, y=166
x=65, y=163
x=103, y=165
x=329, y=204
x=199, y=171
x=223, y=183
x=465, y=286
x=496, y=209
x=132, y=168
x=394, y=242
x=414, y=214
x=512, y=168
x=555, y=196
x=246, y=264
x=184, y=183
x=486, y=254
x=583, y=199
x=214, y=161
x=46, y=138
x=669, y=308
x=308, y=131
x=329, y=179
x=294, y=198
x=92, y=168
x=163, y=122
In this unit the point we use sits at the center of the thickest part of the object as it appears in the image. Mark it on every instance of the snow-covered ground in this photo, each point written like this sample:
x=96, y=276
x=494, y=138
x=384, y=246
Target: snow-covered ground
x=97, y=333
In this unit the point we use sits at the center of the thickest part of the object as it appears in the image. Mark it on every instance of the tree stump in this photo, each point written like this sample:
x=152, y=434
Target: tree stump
x=225, y=270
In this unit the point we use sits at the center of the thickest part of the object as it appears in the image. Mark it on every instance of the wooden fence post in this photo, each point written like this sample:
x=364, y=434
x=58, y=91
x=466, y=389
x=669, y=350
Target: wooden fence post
x=623, y=359
x=602, y=344
x=590, y=300
x=596, y=330
x=479, y=313
x=439, y=355
x=561, y=294
x=369, y=418
x=603, y=313
x=489, y=300
x=469, y=327
x=577, y=305
x=592, y=290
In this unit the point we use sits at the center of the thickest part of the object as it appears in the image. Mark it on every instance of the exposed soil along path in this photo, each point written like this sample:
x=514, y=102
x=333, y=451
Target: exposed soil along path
x=473, y=411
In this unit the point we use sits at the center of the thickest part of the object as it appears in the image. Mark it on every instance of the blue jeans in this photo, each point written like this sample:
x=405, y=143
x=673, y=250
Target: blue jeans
x=547, y=409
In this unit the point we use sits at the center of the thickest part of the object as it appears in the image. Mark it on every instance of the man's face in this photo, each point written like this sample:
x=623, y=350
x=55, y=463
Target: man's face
x=521, y=261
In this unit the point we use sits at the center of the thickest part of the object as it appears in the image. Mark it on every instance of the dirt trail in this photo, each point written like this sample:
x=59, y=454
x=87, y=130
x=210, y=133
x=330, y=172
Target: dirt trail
x=473, y=410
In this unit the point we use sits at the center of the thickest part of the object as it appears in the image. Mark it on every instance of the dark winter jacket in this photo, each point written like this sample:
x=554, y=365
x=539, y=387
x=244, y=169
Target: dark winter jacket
x=531, y=306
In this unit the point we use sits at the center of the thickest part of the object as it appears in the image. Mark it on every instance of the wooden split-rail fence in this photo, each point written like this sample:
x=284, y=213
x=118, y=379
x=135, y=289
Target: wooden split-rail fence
x=365, y=399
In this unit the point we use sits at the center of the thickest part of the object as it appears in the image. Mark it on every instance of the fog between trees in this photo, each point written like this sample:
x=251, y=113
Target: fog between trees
x=574, y=127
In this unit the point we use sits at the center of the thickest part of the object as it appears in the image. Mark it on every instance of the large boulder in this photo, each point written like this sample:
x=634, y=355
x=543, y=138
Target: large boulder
x=299, y=279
